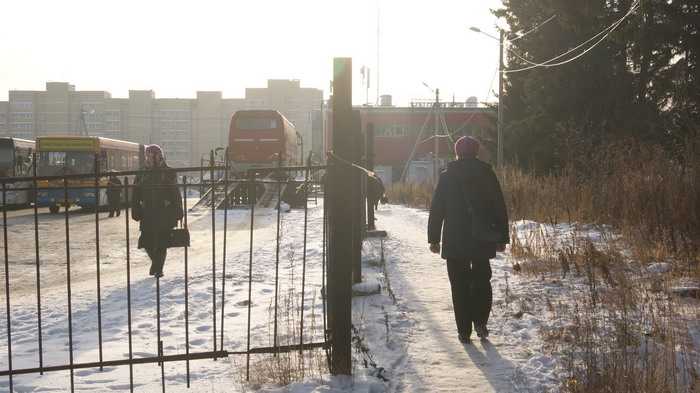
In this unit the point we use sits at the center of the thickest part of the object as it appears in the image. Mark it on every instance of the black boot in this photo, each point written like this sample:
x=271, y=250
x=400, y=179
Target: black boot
x=481, y=330
x=464, y=338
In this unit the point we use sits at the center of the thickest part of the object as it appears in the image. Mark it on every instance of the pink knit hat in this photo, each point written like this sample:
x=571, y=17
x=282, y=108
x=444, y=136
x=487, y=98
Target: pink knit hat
x=466, y=147
x=154, y=154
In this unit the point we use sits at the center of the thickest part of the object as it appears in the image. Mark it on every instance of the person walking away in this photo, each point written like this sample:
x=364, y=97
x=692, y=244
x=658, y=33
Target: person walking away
x=469, y=212
x=114, y=196
x=157, y=205
x=375, y=190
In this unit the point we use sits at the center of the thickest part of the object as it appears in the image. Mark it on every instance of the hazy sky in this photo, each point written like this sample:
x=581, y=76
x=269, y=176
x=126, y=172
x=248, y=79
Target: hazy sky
x=179, y=47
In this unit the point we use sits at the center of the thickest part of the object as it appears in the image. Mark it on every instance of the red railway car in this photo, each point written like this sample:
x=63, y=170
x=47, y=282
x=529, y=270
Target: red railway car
x=257, y=137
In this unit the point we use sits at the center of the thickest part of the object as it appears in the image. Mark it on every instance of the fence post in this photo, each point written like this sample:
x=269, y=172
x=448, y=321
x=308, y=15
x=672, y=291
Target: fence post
x=97, y=255
x=8, y=311
x=212, y=198
x=340, y=192
x=357, y=198
x=369, y=152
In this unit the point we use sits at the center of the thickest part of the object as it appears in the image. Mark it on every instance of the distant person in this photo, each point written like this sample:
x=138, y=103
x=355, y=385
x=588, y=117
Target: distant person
x=114, y=196
x=157, y=204
x=469, y=211
x=375, y=190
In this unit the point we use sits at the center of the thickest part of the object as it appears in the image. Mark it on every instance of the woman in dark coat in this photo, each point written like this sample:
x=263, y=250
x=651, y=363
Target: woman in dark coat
x=157, y=204
x=114, y=196
x=466, y=191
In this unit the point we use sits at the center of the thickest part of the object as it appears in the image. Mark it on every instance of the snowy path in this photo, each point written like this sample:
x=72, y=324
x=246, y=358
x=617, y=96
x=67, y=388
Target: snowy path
x=207, y=375
x=436, y=361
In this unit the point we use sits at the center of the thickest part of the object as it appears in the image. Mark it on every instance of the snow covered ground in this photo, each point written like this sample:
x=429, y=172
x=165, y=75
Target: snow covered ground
x=417, y=342
x=405, y=338
x=207, y=375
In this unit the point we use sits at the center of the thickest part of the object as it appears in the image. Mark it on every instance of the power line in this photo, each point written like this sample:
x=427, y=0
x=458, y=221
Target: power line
x=469, y=119
x=549, y=63
x=532, y=30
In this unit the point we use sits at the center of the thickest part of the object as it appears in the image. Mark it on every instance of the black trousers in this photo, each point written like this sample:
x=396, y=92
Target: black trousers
x=157, y=256
x=114, y=206
x=472, y=295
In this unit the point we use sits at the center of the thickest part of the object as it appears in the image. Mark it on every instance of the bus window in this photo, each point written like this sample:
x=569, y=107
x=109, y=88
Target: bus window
x=59, y=162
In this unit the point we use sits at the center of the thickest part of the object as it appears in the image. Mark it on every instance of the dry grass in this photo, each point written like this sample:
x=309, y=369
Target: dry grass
x=648, y=197
x=411, y=194
x=284, y=368
x=619, y=328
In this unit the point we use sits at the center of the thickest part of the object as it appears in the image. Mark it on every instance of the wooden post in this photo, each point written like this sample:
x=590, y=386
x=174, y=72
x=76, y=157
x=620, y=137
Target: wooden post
x=340, y=221
x=369, y=153
x=357, y=198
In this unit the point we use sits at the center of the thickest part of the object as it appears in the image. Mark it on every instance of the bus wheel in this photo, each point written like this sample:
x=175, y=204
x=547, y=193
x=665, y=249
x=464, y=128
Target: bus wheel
x=53, y=209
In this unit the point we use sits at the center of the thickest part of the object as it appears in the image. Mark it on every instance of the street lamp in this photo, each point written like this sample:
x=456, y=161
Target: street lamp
x=499, y=154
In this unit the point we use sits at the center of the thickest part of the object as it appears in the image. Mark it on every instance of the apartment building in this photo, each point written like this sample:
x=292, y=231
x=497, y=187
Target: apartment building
x=187, y=128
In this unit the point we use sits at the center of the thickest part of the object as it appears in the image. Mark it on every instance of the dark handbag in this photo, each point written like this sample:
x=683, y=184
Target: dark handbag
x=178, y=237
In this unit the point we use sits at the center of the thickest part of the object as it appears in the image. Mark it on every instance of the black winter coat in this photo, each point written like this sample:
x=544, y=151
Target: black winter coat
x=114, y=188
x=157, y=205
x=450, y=207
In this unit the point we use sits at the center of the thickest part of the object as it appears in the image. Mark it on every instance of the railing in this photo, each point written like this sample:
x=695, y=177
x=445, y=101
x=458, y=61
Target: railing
x=218, y=300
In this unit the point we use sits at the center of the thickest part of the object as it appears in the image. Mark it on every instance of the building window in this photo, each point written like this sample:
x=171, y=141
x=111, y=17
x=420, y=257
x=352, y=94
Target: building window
x=22, y=105
x=393, y=130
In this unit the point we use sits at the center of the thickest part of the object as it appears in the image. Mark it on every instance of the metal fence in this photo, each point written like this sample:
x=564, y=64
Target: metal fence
x=268, y=177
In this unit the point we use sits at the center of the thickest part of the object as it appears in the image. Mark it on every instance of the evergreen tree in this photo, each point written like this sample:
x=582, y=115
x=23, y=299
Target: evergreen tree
x=641, y=81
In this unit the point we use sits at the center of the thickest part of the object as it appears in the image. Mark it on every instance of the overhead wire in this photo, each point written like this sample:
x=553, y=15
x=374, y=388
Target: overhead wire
x=549, y=63
x=471, y=116
x=532, y=30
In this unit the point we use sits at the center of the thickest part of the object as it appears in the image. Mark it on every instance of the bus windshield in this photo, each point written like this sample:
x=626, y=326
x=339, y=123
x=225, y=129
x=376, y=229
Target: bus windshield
x=256, y=123
x=66, y=163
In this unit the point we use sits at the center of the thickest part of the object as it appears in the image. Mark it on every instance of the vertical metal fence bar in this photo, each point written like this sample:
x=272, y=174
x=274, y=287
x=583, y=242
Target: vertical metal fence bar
x=162, y=363
x=213, y=245
x=157, y=276
x=38, y=272
x=128, y=283
x=223, y=271
x=303, y=265
x=97, y=255
x=160, y=342
x=7, y=282
x=277, y=252
x=187, y=294
x=323, y=271
x=201, y=177
x=68, y=285
x=252, y=199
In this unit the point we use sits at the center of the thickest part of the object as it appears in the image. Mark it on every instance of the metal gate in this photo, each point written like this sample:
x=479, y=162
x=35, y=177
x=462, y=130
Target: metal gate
x=271, y=177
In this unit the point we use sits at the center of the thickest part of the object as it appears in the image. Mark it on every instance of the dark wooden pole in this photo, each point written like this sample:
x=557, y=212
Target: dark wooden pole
x=357, y=198
x=340, y=220
x=369, y=153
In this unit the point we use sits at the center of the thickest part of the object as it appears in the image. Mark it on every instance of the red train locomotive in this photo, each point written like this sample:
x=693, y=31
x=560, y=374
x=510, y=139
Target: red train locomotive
x=258, y=137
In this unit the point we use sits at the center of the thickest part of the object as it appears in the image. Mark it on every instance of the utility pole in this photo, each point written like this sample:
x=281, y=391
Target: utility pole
x=340, y=192
x=376, y=82
x=499, y=156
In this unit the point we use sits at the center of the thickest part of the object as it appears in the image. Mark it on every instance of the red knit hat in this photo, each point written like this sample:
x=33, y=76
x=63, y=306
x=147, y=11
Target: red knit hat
x=466, y=147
